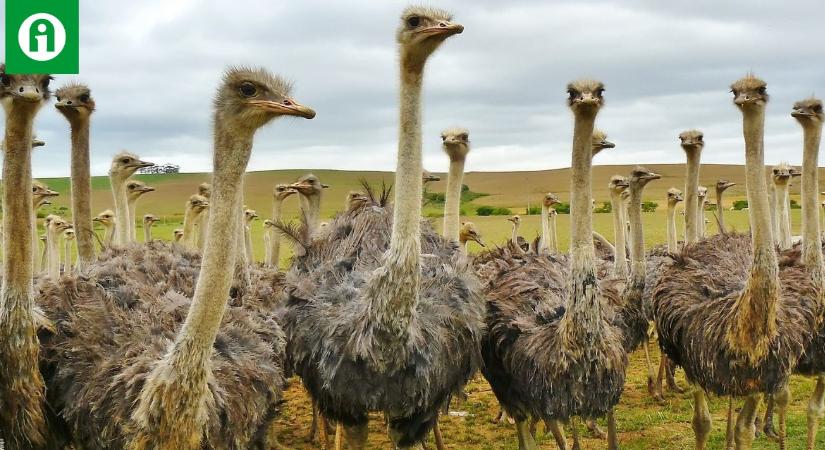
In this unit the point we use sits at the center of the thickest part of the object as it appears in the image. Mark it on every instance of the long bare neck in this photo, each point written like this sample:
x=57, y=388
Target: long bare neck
x=811, y=238
x=620, y=259
x=81, y=180
x=311, y=205
x=67, y=256
x=268, y=248
x=38, y=265
x=637, y=249
x=247, y=234
x=54, y=254
x=132, y=204
x=189, y=219
x=202, y=224
x=514, y=236
x=275, y=237
x=700, y=216
x=691, y=196
x=754, y=326
x=452, y=202
x=110, y=235
x=720, y=211
x=783, y=218
x=147, y=232
x=554, y=240
x=672, y=243
x=121, y=209
x=583, y=304
x=545, y=228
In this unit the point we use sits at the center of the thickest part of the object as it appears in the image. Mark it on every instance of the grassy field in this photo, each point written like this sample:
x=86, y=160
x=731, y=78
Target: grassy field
x=643, y=424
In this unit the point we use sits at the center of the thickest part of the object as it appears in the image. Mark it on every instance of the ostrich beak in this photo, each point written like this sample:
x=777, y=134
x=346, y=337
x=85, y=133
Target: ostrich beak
x=607, y=144
x=38, y=143
x=288, y=107
x=477, y=239
x=444, y=28
x=144, y=164
x=29, y=93
x=51, y=193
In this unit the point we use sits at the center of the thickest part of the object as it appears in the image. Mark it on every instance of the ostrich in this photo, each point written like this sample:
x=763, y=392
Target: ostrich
x=177, y=234
x=743, y=328
x=75, y=103
x=692, y=142
x=468, y=233
x=407, y=325
x=249, y=216
x=68, y=239
x=22, y=418
x=149, y=221
x=355, y=200
x=134, y=190
x=520, y=245
x=456, y=144
x=674, y=196
x=618, y=184
x=701, y=198
x=204, y=190
x=721, y=187
x=124, y=165
x=269, y=231
x=40, y=197
x=427, y=177
x=781, y=177
x=563, y=310
x=549, y=242
x=310, y=189
x=281, y=193
x=57, y=225
x=195, y=206
x=107, y=219
x=599, y=142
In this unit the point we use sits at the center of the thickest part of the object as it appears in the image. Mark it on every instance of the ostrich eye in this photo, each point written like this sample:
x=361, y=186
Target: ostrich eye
x=573, y=94
x=762, y=90
x=817, y=109
x=599, y=92
x=464, y=137
x=414, y=21
x=699, y=138
x=84, y=98
x=57, y=98
x=46, y=81
x=248, y=90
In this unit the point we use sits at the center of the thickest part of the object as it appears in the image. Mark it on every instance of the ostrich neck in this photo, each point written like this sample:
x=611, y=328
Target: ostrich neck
x=554, y=241
x=189, y=219
x=110, y=234
x=393, y=288
x=193, y=345
x=247, y=235
x=582, y=322
x=720, y=211
x=754, y=326
x=52, y=241
x=452, y=202
x=81, y=181
x=700, y=217
x=514, y=237
x=311, y=206
x=545, y=228
x=691, y=195
x=637, y=248
x=274, y=236
x=811, y=240
x=672, y=243
x=147, y=233
x=783, y=216
x=620, y=259
x=67, y=256
x=202, y=224
x=132, y=206
x=121, y=209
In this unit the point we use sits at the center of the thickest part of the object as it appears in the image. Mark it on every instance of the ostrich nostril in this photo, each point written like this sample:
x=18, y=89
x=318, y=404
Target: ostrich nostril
x=69, y=102
x=21, y=89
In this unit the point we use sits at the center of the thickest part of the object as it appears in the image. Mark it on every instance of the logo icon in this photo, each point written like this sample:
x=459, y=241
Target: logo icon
x=42, y=36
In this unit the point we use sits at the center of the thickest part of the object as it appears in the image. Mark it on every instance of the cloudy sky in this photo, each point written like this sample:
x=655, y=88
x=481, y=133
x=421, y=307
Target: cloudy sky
x=153, y=66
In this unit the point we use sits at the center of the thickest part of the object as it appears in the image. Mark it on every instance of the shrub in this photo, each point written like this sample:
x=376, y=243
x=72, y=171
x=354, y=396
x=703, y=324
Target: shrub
x=795, y=204
x=649, y=206
x=562, y=208
x=532, y=210
x=739, y=205
x=492, y=211
x=605, y=208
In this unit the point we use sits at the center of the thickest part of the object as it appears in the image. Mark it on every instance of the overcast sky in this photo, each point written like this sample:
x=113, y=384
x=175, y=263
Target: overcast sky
x=153, y=66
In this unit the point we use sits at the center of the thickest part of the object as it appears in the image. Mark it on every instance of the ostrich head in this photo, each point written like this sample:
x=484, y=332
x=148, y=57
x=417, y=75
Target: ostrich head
x=309, y=185
x=269, y=224
x=68, y=234
x=585, y=96
x=781, y=174
x=356, y=199
x=125, y=164
x=674, y=196
x=74, y=101
x=550, y=199
x=249, y=215
x=40, y=192
x=723, y=185
x=250, y=98
x=136, y=188
x=600, y=142
x=640, y=176
x=197, y=203
x=428, y=177
x=618, y=184
x=149, y=220
x=809, y=112
x=58, y=224
x=516, y=220
x=205, y=190
x=468, y=233
x=692, y=140
x=26, y=92
x=702, y=192
x=749, y=92
x=456, y=143
x=105, y=218
x=282, y=191
x=421, y=32
x=177, y=234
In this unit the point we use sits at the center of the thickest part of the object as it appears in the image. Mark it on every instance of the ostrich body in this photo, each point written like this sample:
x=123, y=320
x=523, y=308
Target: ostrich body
x=149, y=220
x=741, y=330
x=107, y=219
x=75, y=103
x=721, y=187
x=547, y=305
x=618, y=184
x=549, y=240
x=456, y=144
x=54, y=231
x=124, y=165
x=135, y=189
x=195, y=207
x=22, y=419
x=281, y=193
x=367, y=306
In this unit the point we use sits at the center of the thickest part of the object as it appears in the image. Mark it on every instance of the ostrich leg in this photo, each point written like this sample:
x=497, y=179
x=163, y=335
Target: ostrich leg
x=612, y=431
x=594, y=429
x=781, y=401
x=729, y=428
x=356, y=436
x=744, y=435
x=339, y=437
x=670, y=377
x=525, y=439
x=574, y=427
x=701, y=418
x=816, y=406
x=651, y=375
x=558, y=433
x=767, y=426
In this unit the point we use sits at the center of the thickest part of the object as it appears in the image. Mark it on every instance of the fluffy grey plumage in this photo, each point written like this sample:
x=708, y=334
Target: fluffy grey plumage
x=335, y=348
x=116, y=319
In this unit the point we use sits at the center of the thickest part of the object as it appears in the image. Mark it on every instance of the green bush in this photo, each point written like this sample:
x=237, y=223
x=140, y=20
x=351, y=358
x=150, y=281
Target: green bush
x=649, y=206
x=492, y=211
x=562, y=208
x=532, y=210
x=795, y=204
x=438, y=198
x=739, y=205
x=605, y=208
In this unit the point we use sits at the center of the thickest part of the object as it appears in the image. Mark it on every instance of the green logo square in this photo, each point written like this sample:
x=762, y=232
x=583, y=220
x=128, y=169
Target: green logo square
x=42, y=36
